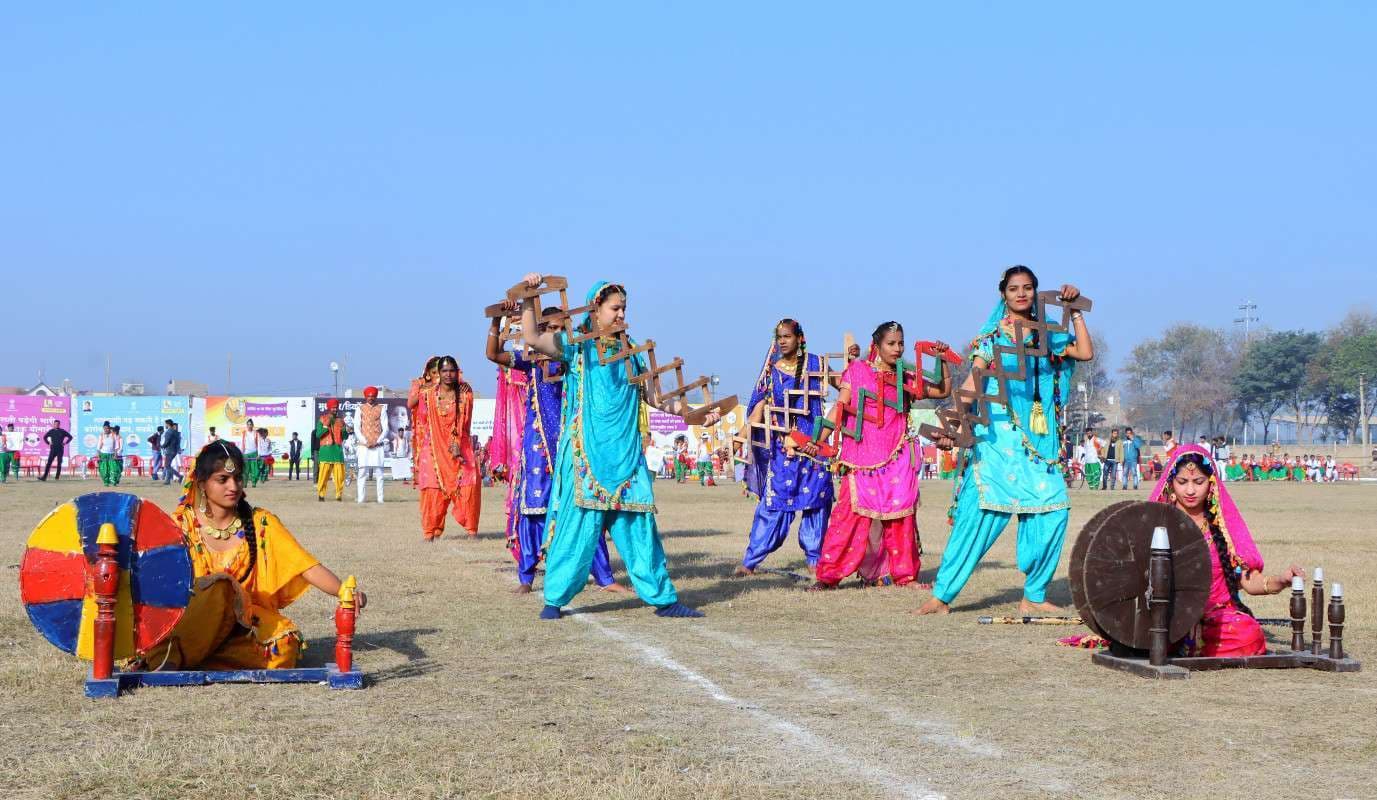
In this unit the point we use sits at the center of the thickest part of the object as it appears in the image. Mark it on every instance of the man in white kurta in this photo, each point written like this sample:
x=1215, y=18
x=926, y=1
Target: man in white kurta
x=370, y=441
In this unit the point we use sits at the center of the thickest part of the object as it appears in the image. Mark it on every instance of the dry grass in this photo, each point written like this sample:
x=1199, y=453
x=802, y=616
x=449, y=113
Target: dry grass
x=777, y=693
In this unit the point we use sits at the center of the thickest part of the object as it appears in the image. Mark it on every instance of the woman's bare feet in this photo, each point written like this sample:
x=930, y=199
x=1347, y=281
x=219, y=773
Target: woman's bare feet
x=522, y=588
x=819, y=586
x=1028, y=607
x=932, y=606
x=616, y=588
x=742, y=571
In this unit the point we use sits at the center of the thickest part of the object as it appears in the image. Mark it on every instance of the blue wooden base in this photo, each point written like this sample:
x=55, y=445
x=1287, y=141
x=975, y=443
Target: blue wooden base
x=123, y=681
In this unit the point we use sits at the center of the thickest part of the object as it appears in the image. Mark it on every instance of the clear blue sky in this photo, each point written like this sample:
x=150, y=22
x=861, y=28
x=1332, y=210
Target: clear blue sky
x=181, y=180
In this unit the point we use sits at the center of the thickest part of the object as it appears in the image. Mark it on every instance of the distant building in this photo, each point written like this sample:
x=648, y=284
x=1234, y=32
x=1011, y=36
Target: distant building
x=187, y=388
x=43, y=390
x=132, y=388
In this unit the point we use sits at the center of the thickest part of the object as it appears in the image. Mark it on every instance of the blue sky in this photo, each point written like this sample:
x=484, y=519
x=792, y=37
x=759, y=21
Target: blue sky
x=296, y=183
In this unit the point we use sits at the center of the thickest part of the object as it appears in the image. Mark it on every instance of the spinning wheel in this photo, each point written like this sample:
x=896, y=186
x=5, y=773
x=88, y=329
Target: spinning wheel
x=1141, y=576
x=1109, y=572
x=108, y=575
x=154, y=574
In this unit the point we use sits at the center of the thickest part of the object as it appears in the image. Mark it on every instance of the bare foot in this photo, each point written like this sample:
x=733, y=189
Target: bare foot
x=616, y=588
x=820, y=587
x=932, y=606
x=1027, y=607
x=522, y=588
x=742, y=571
x=927, y=587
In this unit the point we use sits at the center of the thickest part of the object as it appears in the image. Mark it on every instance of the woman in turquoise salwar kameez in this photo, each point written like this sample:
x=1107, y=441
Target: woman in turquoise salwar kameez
x=1015, y=466
x=600, y=478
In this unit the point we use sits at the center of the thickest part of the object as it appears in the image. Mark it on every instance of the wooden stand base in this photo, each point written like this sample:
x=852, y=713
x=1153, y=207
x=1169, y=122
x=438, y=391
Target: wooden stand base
x=1177, y=668
x=120, y=682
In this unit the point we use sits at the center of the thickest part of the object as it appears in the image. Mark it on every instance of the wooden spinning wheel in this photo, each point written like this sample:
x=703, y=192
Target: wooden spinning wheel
x=1141, y=576
x=1109, y=572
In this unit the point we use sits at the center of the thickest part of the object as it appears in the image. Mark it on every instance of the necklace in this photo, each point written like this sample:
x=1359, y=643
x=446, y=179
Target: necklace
x=223, y=533
x=880, y=366
x=787, y=364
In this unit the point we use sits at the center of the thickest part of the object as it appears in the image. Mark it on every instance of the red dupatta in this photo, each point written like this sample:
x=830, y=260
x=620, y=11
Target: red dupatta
x=442, y=430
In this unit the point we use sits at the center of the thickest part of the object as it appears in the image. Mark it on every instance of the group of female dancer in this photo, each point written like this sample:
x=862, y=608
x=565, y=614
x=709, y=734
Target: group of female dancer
x=581, y=470
x=583, y=476
x=1012, y=469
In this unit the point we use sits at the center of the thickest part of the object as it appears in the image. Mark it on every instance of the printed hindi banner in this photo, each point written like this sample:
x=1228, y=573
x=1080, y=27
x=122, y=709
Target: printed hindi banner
x=137, y=417
x=282, y=416
x=32, y=416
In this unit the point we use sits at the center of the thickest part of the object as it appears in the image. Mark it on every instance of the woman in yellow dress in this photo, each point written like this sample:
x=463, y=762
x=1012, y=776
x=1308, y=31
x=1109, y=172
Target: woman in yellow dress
x=247, y=566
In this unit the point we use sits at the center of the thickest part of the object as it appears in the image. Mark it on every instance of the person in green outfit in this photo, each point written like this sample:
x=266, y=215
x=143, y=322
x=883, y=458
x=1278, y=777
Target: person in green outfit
x=331, y=434
x=107, y=451
x=7, y=455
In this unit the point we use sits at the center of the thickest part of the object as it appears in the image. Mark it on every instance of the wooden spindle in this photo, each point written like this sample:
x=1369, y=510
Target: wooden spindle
x=1159, y=595
x=1317, y=612
x=1336, y=622
x=105, y=584
x=1297, y=613
x=345, y=616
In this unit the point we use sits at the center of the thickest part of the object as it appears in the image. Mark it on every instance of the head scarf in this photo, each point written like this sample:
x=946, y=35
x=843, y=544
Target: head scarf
x=332, y=404
x=1243, y=551
x=609, y=412
x=586, y=321
x=370, y=391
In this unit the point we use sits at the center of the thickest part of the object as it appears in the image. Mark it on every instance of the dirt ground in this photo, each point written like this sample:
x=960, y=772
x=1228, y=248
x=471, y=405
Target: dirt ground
x=777, y=693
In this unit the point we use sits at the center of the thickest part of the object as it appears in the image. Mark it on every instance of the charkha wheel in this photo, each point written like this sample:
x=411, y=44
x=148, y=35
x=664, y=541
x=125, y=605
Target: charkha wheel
x=1076, y=571
x=155, y=573
x=1109, y=572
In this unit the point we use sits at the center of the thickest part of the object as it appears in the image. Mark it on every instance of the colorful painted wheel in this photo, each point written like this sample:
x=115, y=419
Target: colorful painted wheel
x=155, y=573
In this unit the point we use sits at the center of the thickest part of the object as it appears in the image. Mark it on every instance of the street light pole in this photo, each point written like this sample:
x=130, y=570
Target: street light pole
x=1362, y=409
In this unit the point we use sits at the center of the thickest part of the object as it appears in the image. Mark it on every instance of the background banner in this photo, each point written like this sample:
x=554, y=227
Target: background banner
x=282, y=416
x=138, y=418
x=32, y=417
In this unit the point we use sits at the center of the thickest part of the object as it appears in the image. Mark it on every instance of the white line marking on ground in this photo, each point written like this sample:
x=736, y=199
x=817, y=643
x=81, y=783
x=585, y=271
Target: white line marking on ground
x=939, y=733
x=835, y=753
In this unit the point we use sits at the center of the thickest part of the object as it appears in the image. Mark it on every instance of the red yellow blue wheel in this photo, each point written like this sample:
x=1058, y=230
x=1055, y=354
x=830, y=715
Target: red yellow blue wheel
x=155, y=573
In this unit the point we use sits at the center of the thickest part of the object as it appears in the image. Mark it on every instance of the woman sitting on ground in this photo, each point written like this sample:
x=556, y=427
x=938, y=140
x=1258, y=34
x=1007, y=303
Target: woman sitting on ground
x=1228, y=627
x=247, y=567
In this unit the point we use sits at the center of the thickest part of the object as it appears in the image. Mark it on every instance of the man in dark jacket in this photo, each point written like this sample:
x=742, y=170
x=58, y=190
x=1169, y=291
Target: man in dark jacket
x=172, y=448
x=294, y=458
x=57, y=440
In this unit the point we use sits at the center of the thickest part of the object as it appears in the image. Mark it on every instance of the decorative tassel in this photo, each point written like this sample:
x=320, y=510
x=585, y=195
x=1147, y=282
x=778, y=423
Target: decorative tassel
x=1037, y=419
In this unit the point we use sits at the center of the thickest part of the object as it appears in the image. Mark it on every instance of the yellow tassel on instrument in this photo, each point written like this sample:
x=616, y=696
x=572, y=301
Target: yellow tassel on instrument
x=1037, y=420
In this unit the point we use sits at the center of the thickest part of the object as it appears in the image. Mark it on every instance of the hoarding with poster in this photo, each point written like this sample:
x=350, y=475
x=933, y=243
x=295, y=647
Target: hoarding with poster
x=32, y=417
x=282, y=416
x=399, y=421
x=137, y=417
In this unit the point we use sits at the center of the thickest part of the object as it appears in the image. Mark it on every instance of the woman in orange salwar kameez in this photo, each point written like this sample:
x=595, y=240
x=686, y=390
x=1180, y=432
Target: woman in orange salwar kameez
x=446, y=469
x=247, y=568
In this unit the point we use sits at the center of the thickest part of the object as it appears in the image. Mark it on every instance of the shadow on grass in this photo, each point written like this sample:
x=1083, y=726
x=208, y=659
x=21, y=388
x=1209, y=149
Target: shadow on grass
x=1058, y=593
x=685, y=566
x=402, y=642
x=693, y=533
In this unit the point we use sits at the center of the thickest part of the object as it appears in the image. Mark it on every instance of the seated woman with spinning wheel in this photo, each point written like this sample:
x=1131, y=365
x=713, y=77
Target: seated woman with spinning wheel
x=1228, y=628
x=247, y=567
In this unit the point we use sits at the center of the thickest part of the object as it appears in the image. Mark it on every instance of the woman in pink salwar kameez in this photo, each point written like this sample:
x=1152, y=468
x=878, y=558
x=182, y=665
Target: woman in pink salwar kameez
x=1190, y=482
x=879, y=471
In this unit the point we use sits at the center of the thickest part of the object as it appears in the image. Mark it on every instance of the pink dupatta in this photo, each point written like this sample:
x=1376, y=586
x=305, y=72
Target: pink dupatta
x=1242, y=549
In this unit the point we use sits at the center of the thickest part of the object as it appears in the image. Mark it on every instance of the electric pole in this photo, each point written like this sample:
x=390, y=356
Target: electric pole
x=1247, y=308
x=1362, y=410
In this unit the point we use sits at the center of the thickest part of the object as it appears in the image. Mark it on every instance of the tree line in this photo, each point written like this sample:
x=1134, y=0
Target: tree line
x=1209, y=381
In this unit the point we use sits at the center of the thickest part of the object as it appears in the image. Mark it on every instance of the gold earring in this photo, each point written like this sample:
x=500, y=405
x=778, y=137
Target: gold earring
x=203, y=507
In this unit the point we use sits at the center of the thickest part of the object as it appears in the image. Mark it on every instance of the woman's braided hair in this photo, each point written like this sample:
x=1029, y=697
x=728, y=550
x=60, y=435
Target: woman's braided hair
x=1221, y=546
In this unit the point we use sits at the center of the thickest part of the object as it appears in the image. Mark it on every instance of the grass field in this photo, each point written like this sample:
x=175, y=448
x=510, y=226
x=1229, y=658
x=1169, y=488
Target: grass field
x=777, y=693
